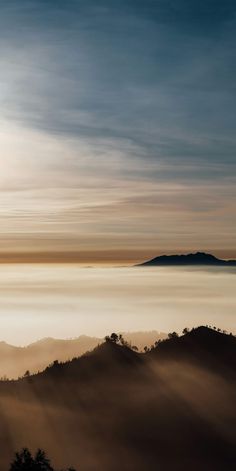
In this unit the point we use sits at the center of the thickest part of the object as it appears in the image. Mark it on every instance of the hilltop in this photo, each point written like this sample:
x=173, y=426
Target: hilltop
x=198, y=258
x=114, y=408
x=202, y=346
x=15, y=361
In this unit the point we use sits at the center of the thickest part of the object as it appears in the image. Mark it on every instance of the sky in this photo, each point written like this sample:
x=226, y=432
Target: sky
x=117, y=129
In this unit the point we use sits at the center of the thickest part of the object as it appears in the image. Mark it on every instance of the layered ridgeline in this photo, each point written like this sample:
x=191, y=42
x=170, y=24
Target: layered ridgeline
x=172, y=407
x=15, y=361
x=198, y=258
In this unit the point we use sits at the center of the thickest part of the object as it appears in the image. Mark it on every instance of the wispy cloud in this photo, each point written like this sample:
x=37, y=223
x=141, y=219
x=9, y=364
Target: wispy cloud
x=120, y=113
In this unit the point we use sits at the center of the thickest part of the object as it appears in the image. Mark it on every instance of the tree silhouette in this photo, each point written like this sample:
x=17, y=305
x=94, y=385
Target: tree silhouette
x=135, y=348
x=24, y=461
x=42, y=463
x=114, y=337
x=172, y=335
x=185, y=330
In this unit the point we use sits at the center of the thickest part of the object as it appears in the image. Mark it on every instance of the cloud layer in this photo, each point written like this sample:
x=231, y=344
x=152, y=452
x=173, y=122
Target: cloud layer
x=117, y=125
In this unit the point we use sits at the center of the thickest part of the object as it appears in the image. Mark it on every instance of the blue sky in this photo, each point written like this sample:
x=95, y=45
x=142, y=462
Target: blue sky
x=118, y=125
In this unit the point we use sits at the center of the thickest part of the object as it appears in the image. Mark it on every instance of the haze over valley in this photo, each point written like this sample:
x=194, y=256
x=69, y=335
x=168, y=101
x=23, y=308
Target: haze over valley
x=66, y=301
x=115, y=407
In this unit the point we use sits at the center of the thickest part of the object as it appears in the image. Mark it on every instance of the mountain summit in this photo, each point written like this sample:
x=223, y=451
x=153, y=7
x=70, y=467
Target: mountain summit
x=198, y=258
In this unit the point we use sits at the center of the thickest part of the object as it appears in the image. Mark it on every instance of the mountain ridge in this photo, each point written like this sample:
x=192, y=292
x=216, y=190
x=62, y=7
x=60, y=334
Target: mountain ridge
x=115, y=408
x=16, y=360
x=201, y=345
x=197, y=258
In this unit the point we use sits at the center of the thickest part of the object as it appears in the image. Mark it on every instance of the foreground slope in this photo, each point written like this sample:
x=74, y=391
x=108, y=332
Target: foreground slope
x=112, y=409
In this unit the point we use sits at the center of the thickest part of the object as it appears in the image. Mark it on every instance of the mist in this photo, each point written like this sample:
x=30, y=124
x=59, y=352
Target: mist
x=64, y=301
x=121, y=416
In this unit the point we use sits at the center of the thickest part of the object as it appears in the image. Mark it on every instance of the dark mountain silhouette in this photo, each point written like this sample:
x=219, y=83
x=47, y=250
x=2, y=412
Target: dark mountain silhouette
x=113, y=408
x=15, y=361
x=198, y=258
x=205, y=347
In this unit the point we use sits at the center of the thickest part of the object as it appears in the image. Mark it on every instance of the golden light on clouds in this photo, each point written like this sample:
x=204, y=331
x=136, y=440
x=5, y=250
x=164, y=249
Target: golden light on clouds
x=114, y=143
x=59, y=204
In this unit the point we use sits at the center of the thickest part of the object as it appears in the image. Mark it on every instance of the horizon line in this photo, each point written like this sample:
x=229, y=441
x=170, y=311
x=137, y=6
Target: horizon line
x=94, y=258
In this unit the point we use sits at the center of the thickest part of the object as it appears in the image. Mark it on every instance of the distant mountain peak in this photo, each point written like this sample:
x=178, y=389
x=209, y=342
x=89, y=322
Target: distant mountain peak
x=197, y=258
